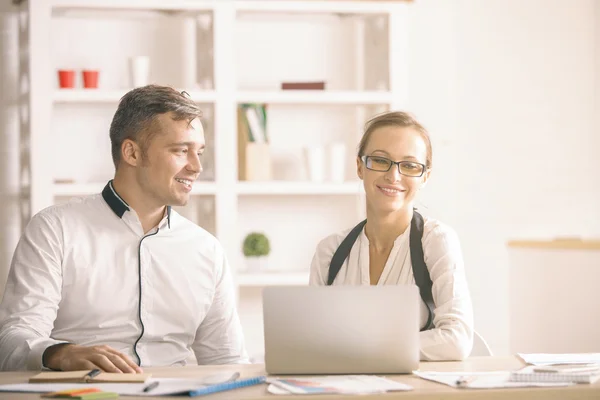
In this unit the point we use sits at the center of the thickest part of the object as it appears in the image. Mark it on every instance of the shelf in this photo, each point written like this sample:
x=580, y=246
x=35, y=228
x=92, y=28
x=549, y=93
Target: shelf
x=297, y=7
x=82, y=189
x=272, y=97
x=298, y=188
x=272, y=278
x=159, y=5
x=113, y=96
x=314, y=97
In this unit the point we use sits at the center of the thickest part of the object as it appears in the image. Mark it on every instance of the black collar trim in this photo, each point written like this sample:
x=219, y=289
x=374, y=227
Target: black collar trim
x=119, y=206
x=114, y=201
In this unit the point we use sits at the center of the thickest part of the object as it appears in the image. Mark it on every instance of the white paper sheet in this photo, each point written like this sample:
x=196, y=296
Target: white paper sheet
x=340, y=384
x=542, y=359
x=481, y=380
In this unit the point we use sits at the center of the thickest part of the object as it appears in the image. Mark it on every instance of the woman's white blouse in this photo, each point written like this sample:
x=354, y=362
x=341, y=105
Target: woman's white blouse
x=452, y=337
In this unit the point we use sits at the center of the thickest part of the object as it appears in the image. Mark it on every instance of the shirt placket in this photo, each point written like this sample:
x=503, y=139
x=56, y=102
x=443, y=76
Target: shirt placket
x=146, y=300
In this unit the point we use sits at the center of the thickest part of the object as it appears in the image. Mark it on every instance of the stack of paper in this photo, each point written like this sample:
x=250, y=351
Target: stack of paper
x=340, y=384
x=581, y=373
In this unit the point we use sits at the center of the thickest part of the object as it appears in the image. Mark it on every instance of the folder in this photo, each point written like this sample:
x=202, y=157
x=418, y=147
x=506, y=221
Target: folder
x=88, y=376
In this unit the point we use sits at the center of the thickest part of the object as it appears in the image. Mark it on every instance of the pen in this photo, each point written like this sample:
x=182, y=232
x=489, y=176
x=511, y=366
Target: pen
x=464, y=381
x=151, y=386
x=91, y=374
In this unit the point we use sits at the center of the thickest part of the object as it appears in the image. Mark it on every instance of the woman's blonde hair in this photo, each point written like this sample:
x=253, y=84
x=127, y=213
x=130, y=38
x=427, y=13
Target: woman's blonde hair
x=395, y=118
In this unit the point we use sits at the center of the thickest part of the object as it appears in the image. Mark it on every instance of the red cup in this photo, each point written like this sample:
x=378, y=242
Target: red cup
x=66, y=78
x=90, y=79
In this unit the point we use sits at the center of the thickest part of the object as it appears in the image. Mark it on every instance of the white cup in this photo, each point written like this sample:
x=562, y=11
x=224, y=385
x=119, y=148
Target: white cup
x=337, y=162
x=315, y=163
x=139, y=68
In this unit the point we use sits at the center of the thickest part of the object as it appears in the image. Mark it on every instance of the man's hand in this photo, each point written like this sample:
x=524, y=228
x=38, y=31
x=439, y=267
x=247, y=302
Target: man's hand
x=72, y=357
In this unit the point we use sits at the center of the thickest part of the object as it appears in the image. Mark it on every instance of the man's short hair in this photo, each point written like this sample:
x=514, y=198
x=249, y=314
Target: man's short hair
x=138, y=110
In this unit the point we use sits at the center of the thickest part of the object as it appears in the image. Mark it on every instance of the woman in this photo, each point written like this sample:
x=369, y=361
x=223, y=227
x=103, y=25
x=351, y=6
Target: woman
x=394, y=163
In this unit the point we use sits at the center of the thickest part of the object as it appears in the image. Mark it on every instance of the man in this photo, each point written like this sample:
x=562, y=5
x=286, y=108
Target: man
x=119, y=280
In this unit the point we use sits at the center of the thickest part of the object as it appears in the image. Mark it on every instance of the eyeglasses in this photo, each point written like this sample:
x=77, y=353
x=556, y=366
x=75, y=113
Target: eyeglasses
x=382, y=164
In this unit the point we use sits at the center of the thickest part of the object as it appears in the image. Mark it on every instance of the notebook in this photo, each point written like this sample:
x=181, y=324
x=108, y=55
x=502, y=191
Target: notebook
x=88, y=376
x=227, y=386
x=532, y=373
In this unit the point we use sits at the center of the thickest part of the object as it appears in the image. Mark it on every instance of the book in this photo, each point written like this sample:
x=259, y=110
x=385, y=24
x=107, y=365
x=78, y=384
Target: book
x=303, y=86
x=88, y=376
x=221, y=387
x=532, y=373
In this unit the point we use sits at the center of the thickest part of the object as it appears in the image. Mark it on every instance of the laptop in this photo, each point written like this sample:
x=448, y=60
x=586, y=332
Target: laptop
x=341, y=329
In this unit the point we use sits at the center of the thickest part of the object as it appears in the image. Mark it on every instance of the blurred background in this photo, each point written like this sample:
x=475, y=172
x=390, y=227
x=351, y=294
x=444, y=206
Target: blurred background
x=507, y=88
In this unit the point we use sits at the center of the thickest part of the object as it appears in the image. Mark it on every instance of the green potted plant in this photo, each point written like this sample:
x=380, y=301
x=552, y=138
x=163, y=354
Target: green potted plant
x=256, y=248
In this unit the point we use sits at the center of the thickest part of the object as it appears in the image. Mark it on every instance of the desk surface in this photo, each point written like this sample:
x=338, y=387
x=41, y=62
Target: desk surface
x=422, y=389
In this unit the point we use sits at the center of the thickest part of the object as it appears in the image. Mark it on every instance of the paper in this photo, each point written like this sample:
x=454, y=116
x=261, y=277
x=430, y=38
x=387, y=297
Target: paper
x=532, y=373
x=556, y=359
x=338, y=384
x=481, y=380
x=166, y=386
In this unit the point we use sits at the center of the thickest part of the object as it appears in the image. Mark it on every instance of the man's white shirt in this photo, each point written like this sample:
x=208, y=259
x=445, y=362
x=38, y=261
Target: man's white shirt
x=84, y=272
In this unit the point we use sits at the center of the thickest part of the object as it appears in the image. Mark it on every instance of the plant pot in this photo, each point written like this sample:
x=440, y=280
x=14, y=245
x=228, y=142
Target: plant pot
x=256, y=264
x=66, y=78
x=90, y=79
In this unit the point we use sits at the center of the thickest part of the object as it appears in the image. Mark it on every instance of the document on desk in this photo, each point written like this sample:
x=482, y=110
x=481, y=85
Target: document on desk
x=337, y=384
x=166, y=386
x=481, y=380
x=541, y=359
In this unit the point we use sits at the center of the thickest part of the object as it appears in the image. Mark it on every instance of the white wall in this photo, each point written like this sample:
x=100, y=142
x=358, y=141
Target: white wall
x=508, y=89
x=10, y=225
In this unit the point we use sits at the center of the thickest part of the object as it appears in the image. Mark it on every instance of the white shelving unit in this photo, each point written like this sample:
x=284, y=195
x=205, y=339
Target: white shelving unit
x=315, y=97
x=79, y=96
x=237, y=52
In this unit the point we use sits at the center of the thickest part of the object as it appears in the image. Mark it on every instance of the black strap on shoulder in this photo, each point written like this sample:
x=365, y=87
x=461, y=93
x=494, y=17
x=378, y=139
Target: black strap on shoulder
x=419, y=268
x=420, y=272
x=342, y=252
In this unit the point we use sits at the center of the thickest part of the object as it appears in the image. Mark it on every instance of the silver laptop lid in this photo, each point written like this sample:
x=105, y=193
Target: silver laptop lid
x=341, y=329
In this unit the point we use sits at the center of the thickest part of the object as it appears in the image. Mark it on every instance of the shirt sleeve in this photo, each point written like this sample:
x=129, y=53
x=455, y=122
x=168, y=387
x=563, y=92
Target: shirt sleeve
x=452, y=338
x=319, y=267
x=31, y=297
x=219, y=338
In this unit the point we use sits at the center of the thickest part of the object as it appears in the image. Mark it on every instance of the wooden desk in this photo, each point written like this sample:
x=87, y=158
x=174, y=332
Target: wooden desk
x=423, y=390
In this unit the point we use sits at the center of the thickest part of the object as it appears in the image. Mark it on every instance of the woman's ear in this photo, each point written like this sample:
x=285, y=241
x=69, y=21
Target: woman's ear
x=425, y=177
x=359, y=168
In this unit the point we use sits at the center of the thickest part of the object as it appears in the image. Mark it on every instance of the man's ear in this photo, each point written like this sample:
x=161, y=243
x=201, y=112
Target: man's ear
x=359, y=169
x=131, y=153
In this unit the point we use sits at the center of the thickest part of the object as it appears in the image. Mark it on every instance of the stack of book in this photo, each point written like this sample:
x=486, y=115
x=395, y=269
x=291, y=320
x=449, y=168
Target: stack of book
x=254, y=158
